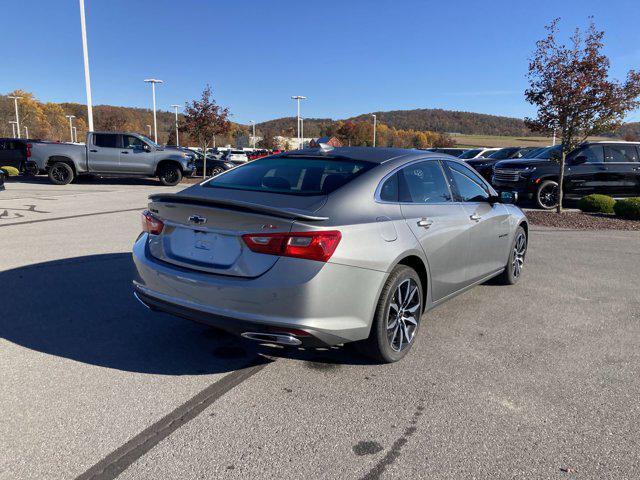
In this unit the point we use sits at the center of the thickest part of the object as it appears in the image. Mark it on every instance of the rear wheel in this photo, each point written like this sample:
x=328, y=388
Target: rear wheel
x=170, y=175
x=547, y=195
x=61, y=173
x=397, y=317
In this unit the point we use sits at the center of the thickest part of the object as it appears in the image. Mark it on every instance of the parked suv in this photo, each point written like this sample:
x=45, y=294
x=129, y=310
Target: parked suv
x=609, y=168
x=484, y=165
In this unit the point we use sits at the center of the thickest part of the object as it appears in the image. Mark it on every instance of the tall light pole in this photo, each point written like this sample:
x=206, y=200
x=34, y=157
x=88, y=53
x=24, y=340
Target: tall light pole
x=149, y=127
x=75, y=134
x=554, y=137
x=71, y=117
x=375, y=121
x=13, y=127
x=153, y=82
x=298, y=98
x=87, y=77
x=301, y=132
x=253, y=137
x=15, y=101
x=177, y=139
x=26, y=132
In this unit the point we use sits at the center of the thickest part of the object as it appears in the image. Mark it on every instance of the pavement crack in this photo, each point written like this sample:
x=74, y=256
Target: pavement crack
x=394, y=452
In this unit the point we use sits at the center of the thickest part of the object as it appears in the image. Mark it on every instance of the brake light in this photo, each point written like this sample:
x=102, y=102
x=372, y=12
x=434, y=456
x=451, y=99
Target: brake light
x=28, y=150
x=308, y=245
x=151, y=224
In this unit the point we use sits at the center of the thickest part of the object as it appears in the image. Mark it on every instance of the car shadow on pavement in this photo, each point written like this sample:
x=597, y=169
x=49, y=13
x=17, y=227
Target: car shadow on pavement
x=83, y=309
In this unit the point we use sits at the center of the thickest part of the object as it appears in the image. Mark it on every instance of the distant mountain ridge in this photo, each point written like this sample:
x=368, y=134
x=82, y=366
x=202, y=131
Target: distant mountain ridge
x=424, y=119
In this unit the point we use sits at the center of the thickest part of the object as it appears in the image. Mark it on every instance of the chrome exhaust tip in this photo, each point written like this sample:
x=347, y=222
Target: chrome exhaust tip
x=272, y=338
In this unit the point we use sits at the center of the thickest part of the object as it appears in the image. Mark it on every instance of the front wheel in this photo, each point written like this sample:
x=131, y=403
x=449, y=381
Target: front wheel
x=513, y=270
x=61, y=173
x=397, y=317
x=216, y=171
x=547, y=195
x=170, y=175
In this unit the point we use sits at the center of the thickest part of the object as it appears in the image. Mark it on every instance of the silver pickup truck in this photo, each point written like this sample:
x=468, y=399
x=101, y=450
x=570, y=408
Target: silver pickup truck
x=111, y=154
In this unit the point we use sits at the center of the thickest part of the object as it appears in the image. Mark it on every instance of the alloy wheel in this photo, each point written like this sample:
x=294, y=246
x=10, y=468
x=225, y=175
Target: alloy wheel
x=548, y=196
x=60, y=174
x=403, y=315
x=519, y=251
x=170, y=176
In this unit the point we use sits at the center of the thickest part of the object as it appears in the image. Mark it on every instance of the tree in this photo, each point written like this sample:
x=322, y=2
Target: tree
x=203, y=120
x=571, y=90
x=268, y=140
x=111, y=119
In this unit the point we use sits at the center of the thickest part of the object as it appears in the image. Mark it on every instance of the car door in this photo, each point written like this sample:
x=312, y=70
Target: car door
x=136, y=157
x=103, y=153
x=623, y=169
x=439, y=224
x=585, y=172
x=489, y=222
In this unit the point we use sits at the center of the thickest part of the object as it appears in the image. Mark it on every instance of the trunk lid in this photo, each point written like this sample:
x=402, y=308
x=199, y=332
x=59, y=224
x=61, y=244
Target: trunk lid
x=204, y=227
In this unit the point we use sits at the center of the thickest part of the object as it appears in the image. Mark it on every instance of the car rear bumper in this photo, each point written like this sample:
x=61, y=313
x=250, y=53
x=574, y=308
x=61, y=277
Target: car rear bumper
x=332, y=303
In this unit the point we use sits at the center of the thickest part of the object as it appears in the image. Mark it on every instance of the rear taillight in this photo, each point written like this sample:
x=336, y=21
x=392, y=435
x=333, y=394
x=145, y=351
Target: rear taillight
x=28, y=150
x=151, y=224
x=309, y=245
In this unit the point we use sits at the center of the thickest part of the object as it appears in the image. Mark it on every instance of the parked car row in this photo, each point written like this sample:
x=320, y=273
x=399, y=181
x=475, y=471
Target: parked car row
x=609, y=168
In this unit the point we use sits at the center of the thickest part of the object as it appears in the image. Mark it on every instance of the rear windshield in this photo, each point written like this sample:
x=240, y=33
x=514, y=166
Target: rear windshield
x=292, y=176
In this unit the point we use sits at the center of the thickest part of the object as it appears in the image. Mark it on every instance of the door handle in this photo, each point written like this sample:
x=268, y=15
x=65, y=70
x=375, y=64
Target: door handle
x=93, y=151
x=475, y=217
x=125, y=152
x=425, y=222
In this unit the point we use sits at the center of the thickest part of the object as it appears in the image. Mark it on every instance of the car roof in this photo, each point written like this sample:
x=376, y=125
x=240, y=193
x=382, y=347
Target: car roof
x=369, y=154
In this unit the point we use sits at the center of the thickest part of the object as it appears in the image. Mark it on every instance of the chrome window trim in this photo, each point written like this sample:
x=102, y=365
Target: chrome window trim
x=376, y=195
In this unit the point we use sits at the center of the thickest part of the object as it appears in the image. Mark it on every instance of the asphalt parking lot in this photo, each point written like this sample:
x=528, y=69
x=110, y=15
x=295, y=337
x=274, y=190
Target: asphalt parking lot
x=539, y=380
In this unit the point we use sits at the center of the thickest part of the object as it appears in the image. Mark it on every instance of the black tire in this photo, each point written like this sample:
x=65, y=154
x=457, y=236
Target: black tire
x=547, y=195
x=216, y=171
x=170, y=175
x=513, y=269
x=383, y=340
x=30, y=169
x=61, y=173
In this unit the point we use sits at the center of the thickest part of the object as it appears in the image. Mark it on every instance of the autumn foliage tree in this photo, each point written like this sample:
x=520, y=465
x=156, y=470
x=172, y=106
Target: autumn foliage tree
x=571, y=89
x=204, y=119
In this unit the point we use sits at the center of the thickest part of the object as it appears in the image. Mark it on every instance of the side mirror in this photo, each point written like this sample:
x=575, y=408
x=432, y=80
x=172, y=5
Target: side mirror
x=508, y=197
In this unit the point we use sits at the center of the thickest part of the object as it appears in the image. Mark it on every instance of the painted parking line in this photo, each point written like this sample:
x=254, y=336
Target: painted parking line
x=120, y=459
x=72, y=216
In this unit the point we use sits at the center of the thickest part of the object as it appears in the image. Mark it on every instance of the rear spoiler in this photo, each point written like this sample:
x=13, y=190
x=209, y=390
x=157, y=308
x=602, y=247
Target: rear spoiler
x=291, y=213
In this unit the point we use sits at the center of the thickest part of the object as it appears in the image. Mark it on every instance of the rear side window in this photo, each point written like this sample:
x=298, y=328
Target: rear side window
x=291, y=175
x=389, y=189
x=621, y=153
x=105, y=140
x=423, y=182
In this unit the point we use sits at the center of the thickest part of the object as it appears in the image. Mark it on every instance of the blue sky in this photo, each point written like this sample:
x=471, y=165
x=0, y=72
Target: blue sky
x=348, y=57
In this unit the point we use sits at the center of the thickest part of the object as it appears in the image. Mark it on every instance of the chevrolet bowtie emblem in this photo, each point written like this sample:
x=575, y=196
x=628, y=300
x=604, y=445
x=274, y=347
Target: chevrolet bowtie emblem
x=197, y=219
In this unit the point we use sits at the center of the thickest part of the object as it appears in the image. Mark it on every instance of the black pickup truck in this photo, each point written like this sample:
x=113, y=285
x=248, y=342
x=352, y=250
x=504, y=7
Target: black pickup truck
x=16, y=153
x=608, y=168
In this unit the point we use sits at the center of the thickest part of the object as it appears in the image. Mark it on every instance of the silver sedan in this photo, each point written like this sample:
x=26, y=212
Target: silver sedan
x=325, y=246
